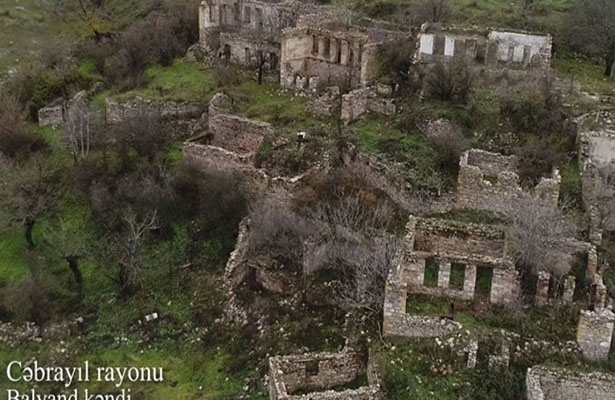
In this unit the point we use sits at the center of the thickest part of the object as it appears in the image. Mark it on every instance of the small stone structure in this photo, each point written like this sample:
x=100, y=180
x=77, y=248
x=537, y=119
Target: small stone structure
x=482, y=46
x=441, y=247
x=51, y=115
x=118, y=111
x=596, y=138
x=313, y=376
x=545, y=383
x=240, y=135
x=595, y=333
x=364, y=100
x=489, y=181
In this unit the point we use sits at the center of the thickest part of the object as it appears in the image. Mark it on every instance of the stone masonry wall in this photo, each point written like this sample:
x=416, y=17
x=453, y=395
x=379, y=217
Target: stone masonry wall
x=489, y=181
x=319, y=372
x=116, y=111
x=239, y=135
x=595, y=333
x=361, y=101
x=545, y=383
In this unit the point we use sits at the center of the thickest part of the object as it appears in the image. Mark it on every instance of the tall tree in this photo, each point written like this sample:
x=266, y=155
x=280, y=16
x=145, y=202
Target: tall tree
x=590, y=29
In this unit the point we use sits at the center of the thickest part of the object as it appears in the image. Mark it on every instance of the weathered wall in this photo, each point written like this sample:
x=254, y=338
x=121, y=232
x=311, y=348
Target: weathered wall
x=116, y=112
x=544, y=383
x=52, y=115
x=319, y=372
x=488, y=181
x=364, y=100
x=239, y=135
x=483, y=46
x=595, y=333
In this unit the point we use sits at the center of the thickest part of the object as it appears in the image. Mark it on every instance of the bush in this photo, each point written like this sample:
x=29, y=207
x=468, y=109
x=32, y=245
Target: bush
x=450, y=82
x=534, y=107
x=17, y=141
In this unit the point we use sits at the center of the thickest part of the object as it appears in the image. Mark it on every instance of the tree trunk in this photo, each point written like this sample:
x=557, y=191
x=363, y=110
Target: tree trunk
x=29, y=226
x=610, y=67
x=260, y=73
x=73, y=264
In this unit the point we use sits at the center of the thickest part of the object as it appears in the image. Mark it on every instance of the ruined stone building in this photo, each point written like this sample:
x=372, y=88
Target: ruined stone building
x=596, y=138
x=483, y=46
x=315, y=376
x=246, y=31
x=322, y=49
x=489, y=181
x=450, y=259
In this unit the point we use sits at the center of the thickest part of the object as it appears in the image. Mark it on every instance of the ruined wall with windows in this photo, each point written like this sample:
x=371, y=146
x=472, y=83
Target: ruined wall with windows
x=321, y=49
x=322, y=376
x=489, y=181
x=483, y=46
x=247, y=32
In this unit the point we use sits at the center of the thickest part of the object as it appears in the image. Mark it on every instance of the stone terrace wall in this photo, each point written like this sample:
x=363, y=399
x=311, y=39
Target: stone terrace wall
x=252, y=181
x=488, y=181
x=319, y=372
x=240, y=135
x=116, y=112
x=361, y=101
x=558, y=384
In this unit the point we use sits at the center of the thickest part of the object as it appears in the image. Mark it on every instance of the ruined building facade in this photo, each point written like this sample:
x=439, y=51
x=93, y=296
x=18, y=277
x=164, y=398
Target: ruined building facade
x=483, y=46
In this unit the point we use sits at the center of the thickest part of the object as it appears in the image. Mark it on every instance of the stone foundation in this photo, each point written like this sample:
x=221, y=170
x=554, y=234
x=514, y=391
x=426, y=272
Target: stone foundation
x=317, y=374
x=52, y=115
x=239, y=135
x=116, y=112
x=544, y=383
x=595, y=333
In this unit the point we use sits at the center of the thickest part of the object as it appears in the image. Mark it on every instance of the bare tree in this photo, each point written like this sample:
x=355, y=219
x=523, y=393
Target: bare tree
x=125, y=250
x=435, y=10
x=538, y=231
x=354, y=240
x=77, y=127
x=589, y=28
x=27, y=190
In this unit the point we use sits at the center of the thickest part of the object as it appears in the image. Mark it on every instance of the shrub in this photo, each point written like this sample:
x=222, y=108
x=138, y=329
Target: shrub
x=450, y=82
x=17, y=141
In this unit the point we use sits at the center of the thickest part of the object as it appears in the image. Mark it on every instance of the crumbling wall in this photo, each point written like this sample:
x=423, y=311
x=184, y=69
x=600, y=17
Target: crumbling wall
x=483, y=46
x=544, y=383
x=595, y=333
x=251, y=180
x=116, y=111
x=239, y=135
x=51, y=115
x=489, y=181
x=319, y=373
x=362, y=101
x=445, y=245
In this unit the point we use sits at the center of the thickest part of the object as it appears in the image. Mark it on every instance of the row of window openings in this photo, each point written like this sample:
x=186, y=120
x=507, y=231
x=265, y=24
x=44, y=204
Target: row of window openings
x=457, y=276
x=469, y=47
x=247, y=14
x=327, y=49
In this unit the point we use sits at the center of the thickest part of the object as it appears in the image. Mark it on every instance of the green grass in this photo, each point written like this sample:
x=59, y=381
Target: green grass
x=182, y=81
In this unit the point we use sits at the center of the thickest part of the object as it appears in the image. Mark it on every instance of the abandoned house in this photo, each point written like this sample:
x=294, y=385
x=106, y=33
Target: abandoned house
x=596, y=138
x=323, y=49
x=247, y=32
x=488, y=47
x=489, y=181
